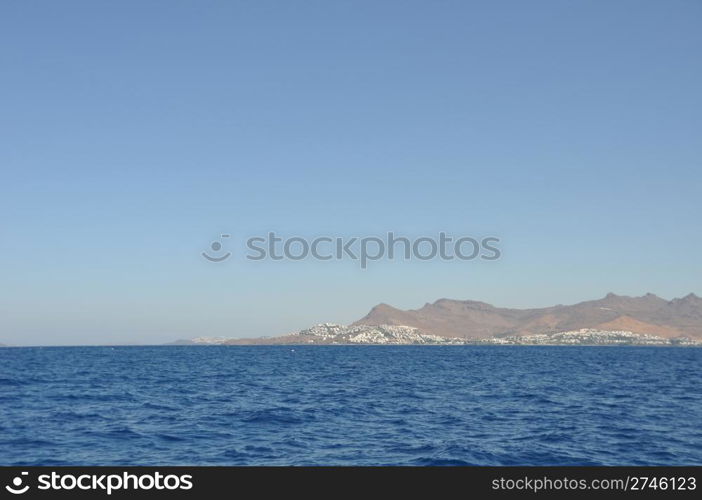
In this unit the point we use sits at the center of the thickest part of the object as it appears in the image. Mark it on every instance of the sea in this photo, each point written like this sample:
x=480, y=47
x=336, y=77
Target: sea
x=351, y=405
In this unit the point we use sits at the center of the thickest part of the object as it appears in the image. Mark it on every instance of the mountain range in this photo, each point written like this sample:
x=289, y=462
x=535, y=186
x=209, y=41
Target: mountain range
x=648, y=314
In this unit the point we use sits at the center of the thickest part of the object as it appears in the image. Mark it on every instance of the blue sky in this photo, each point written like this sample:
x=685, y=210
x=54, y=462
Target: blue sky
x=133, y=133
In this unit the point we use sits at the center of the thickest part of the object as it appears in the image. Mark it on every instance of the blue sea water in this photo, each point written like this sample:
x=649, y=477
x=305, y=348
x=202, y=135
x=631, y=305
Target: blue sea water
x=351, y=405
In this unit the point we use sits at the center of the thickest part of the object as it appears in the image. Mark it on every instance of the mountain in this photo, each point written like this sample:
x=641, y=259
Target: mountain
x=648, y=314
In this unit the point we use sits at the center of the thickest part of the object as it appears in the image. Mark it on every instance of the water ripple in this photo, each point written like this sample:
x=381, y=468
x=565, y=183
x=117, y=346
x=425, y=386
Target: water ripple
x=464, y=405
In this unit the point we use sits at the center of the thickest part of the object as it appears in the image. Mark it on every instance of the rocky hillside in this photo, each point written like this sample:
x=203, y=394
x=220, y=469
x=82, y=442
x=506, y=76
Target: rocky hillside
x=469, y=319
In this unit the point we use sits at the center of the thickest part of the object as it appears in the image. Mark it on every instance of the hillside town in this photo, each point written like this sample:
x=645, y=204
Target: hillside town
x=332, y=333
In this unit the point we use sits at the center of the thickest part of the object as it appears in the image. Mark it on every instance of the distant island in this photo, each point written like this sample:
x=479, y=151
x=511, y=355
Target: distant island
x=612, y=320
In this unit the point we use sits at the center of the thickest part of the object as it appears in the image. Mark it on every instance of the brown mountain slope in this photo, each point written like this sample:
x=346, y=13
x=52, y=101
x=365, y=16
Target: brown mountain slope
x=630, y=324
x=471, y=319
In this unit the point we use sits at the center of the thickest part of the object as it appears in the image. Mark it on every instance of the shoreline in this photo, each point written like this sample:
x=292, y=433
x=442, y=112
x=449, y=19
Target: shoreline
x=342, y=345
